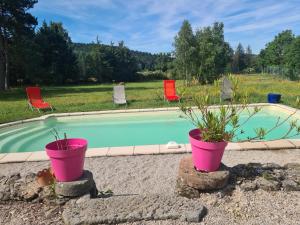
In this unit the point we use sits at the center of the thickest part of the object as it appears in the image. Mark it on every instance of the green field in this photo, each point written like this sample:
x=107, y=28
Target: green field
x=13, y=103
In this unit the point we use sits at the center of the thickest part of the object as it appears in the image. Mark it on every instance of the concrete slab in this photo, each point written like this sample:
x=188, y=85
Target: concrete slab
x=146, y=150
x=38, y=156
x=164, y=150
x=118, y=151
x=96, y=152
x=279, y=144
x=15, y=157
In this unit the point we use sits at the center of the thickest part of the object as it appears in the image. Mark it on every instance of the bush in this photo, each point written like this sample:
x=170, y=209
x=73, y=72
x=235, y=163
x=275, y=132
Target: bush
x=151, y=75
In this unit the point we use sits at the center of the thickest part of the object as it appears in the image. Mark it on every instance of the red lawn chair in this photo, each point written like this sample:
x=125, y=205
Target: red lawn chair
x=35, y=99
x=170, y=91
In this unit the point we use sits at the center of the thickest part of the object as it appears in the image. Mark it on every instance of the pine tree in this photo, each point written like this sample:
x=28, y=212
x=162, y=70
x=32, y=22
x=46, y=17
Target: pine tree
x=15, y=21
x=238, y=62
x=185, y=50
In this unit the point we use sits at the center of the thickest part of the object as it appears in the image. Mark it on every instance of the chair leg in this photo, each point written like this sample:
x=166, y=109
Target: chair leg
x=30, y=106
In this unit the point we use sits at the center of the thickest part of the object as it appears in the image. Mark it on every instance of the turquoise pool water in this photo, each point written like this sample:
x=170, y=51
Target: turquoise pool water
x=123, y=129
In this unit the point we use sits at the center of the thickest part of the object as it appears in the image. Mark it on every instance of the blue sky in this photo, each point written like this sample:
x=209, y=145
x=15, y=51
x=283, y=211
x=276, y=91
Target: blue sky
x=150, y=25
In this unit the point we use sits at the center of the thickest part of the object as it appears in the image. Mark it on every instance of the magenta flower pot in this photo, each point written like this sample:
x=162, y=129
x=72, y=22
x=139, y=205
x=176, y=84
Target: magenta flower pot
x=67, y=163
x=206, y=156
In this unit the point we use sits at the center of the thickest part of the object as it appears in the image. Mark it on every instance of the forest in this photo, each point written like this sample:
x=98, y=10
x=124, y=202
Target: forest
x=32, y=54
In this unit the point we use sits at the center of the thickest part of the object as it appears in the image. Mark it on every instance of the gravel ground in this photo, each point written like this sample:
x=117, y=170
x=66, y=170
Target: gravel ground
x=156, y=174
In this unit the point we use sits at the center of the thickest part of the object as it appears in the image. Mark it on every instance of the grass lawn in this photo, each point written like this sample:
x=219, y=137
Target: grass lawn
x=13, y=103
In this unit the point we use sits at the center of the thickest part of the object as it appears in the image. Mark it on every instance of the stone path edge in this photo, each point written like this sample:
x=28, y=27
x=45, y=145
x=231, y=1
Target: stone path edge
x=157, y=150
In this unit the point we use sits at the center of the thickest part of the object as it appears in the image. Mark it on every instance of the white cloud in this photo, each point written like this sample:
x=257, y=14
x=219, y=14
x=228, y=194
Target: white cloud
x=152, y=24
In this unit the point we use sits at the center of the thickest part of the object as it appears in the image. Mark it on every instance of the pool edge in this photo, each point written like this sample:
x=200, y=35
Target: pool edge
x=284, y=144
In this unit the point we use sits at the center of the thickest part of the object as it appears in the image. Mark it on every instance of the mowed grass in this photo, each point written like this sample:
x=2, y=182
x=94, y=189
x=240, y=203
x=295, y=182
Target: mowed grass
x=81, y=98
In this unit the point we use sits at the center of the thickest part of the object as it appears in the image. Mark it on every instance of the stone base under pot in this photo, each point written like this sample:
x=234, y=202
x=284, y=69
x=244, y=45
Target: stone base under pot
x=80, y=187
x=190, y=183
x=246, y=177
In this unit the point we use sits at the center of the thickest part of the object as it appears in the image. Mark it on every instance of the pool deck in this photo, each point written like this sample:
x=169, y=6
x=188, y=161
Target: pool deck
x=147, y=149
x=152, y=150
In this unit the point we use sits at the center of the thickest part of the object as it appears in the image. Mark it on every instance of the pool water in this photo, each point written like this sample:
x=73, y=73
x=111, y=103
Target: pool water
x=122, y=129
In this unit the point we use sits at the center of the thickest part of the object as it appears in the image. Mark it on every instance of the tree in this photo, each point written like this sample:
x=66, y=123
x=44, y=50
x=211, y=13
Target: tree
x=15, y=21
x=185, y=49
x=292, y=59
x=276, y=49
x=213, y=53
x=58, y=61
x=162, y=61
x=239, y=59
x=248, y=57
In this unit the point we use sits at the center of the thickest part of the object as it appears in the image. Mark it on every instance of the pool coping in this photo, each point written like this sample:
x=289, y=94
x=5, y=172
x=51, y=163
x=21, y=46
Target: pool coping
x=280, y=144
x=283, y=144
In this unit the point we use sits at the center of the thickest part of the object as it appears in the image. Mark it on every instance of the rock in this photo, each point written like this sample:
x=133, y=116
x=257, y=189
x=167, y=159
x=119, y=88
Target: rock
x=11, y=179
x=268, y=166
x=295, y=166
x=184, y=190
x=47, y=192
x=83, y=198
x=247, y=171
x=29, y=191
x=122, y=209
x=77, y=188
x=195, y=216
x=30, y=177
x=290, y=185
x=267, y=185
x=248, y=186
x=49, y=213
x=4, y=193
x=200, y=180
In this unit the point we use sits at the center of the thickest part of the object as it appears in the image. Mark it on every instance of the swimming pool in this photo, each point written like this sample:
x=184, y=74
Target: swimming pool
x=122, y=129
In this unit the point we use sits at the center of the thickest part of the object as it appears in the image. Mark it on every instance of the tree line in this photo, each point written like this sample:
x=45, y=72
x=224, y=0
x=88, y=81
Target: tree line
x=205, y=55
x=283, y=54
x=46, y=55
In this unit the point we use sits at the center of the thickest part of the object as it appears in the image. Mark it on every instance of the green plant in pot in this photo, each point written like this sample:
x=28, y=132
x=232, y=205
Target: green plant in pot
x=215, y=126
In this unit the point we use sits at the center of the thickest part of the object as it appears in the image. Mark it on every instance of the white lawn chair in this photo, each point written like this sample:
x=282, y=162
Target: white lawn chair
x=119, y=95
x=226, y=89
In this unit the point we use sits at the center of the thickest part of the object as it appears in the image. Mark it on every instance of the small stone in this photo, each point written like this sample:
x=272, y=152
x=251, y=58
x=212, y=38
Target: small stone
x=195, y=216
x=267, y=185
x=290, y=185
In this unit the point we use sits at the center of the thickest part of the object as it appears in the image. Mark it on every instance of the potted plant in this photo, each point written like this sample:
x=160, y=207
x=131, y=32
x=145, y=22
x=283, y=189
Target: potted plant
x=67, y=157
x=216, y=126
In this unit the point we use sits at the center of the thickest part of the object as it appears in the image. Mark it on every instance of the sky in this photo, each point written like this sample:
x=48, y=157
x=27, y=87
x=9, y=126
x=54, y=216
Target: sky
x=151, y=25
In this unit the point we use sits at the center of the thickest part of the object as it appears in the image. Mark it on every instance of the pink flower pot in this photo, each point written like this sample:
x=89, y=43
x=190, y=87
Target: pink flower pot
x=67, y=163
x=207, y=156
